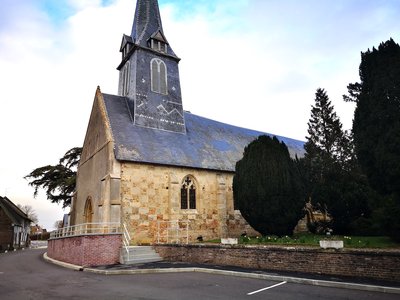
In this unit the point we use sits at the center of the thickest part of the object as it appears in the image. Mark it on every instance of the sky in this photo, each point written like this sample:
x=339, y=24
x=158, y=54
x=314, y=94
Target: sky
x=251, y=63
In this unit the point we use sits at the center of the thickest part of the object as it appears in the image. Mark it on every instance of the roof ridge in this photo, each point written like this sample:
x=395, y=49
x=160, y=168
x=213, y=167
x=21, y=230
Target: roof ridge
x=10, y=205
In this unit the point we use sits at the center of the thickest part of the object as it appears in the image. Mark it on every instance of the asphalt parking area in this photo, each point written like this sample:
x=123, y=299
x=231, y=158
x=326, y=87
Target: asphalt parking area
x=25, y=275
x=210, y=286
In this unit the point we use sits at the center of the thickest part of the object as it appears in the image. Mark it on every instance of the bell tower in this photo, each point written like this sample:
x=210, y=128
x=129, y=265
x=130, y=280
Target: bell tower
x=149, y=74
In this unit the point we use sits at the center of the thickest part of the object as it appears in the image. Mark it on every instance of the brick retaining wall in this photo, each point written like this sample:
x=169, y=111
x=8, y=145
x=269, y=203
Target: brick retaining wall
x=376, y=264
x=86, y=250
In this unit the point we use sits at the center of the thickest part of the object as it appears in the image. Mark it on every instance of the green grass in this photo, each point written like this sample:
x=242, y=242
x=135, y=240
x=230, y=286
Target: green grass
x=369, y=242
x=313, y=240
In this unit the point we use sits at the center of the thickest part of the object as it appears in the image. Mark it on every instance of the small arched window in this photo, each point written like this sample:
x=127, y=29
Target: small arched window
x=188, y=193
x=158, y=76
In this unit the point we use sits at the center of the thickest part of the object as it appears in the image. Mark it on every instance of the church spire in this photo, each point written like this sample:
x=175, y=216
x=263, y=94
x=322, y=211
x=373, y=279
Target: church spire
x=147, y=20
x=149, y=75
x=147, y=25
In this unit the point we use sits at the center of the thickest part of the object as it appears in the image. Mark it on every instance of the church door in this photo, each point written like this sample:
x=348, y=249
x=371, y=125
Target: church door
x=88, y=211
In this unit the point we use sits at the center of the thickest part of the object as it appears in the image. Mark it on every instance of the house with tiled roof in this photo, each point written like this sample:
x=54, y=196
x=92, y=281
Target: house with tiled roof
x=148, y=163
x=14, y=226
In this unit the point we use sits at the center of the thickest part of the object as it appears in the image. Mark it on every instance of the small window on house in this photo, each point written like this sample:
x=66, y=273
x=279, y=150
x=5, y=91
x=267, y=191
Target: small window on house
x=158, y=76
x=188, y=193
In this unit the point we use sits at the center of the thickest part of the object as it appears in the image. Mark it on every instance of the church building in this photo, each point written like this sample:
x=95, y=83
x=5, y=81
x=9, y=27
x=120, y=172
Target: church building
x=146, y=162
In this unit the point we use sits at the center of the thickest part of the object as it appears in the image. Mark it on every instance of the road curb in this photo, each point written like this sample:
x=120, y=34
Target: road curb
x=141, y=271
x=62, y=264
x=322, y=283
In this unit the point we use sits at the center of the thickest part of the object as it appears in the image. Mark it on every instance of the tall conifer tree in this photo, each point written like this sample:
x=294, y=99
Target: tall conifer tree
x=376, y=126
x=327, y=145
x=324, y=128
x=376, y=123
x=329, y=167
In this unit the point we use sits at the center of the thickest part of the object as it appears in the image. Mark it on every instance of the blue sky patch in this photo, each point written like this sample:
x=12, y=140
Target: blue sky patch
x=185, y=9
x=57, y=11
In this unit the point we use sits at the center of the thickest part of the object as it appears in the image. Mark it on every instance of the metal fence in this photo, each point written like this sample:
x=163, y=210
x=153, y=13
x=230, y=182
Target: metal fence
x=87, y=229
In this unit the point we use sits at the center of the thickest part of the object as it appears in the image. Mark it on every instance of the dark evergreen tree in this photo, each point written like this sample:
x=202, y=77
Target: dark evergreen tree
x=325, y=129
x=376, y=126
x=59, y=181
x=267, y=187
x=333, y=182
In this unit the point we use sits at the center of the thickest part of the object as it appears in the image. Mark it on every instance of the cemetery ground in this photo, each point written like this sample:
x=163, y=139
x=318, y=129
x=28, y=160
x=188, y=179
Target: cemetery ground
x=308, y=239
x=25, y=275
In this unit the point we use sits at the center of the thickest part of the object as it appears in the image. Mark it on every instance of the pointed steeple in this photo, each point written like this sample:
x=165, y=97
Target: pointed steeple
x=149, y=74
x=147, y=25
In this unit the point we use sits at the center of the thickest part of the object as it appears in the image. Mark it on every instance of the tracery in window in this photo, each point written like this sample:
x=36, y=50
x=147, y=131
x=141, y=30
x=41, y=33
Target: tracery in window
x=188, y=194
x=158, y=76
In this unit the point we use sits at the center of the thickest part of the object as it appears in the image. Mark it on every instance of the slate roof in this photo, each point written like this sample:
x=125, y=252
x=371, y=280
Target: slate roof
x=16, y=215
x=146, y=23
x=207, y=144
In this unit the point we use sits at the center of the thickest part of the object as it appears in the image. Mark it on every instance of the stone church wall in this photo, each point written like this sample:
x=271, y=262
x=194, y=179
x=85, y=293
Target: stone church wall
x=98, y=172
x=151, y=197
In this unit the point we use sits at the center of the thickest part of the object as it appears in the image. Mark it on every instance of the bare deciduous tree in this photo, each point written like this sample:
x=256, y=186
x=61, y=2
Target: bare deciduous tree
x=30, y=212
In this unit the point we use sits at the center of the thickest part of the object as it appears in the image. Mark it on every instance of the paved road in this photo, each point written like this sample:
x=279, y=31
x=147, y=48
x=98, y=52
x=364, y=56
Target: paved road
x=25, y=275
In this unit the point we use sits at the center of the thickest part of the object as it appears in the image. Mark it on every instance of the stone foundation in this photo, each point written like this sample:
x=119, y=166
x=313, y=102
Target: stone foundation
x=374, y=264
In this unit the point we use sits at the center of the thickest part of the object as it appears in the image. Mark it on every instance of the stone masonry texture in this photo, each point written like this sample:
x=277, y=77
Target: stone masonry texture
x=151, y=196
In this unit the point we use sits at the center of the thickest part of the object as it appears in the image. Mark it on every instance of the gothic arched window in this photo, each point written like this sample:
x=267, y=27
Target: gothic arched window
x=158, y=76
x=188, y=193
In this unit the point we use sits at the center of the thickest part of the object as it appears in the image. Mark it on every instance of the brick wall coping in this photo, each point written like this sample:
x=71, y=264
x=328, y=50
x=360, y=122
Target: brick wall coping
x=86, y=250
x=81, y=235
x=379, y=264
x=295, y=248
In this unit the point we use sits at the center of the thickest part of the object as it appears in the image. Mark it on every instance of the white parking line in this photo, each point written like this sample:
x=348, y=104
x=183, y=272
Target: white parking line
x=267, y=288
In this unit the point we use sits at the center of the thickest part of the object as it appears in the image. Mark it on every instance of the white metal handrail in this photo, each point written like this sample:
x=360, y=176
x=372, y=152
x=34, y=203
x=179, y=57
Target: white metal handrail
x=87, y=229
x=173, y=232
x=126, y=239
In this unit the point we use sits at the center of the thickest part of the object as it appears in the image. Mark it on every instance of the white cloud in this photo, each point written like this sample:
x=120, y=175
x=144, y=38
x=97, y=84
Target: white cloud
x=261, y=68
x=50, y=77
x=255, y=65
x=84, y=4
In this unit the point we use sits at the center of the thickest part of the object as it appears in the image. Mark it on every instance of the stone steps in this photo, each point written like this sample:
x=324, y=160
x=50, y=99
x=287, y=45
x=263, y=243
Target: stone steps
x=139, y=255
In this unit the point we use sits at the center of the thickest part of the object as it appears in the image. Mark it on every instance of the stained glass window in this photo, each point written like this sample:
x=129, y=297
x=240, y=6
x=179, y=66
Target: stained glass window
x=188, y=194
